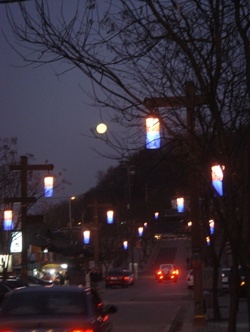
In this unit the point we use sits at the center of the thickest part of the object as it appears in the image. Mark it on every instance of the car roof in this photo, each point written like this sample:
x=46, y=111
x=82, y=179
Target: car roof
x=167, y=264
x=51, y=288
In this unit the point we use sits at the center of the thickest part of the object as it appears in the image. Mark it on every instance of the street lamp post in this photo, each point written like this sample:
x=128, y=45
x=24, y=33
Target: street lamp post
x=23, y=167
x=95, y=226
x=70, y=210
x=190, y=101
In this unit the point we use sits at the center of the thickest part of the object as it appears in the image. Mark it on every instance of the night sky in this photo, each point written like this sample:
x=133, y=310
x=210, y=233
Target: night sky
x=50, y=117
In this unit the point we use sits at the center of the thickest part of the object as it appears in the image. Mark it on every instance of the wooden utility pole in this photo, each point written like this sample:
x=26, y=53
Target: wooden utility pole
x=190, y=101
x=23, y=167
x=95, y=226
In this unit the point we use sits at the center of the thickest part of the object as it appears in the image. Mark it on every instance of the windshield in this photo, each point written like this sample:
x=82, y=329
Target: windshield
x=39, y=303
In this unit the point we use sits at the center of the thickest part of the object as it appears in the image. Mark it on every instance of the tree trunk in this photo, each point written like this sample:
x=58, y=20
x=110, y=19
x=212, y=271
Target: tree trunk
x=234, y=296
x=216, y=306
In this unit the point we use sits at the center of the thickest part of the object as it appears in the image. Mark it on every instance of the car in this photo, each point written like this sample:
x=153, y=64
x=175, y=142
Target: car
x=225, y=276
x=34, y=281
x=167, y=272
x=4, y=289
x=119, y=277
x=190, y=279
x=55, y=308
x=131, y=277
x=14, y=282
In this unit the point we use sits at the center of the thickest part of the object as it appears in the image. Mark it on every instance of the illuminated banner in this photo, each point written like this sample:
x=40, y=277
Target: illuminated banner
x=140, y=231
x=48, y=186
x=110, y=217
x=8, y=224
x=86, y=237
x=217, y=178
x=153, y=139
x=16, y=242
x=180, y=204
x=125, y=245
x=211, y=226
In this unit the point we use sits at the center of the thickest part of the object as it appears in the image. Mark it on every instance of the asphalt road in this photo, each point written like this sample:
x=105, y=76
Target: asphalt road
x=149, y=305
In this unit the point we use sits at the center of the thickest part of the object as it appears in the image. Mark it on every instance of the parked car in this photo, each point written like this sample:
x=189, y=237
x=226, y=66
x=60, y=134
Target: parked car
x=14, y=282
x=190, y=279
x=225, y=276
x=34, y=281
x=119, y=277
x=56, y=308
x=4, y=289
x=167, y=272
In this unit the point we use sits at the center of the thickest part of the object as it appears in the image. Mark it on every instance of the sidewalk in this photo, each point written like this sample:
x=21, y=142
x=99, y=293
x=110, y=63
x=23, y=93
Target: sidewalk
x=184, y=319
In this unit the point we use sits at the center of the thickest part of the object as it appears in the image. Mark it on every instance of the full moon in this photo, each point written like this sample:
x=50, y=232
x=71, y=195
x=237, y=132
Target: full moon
x=101, y=128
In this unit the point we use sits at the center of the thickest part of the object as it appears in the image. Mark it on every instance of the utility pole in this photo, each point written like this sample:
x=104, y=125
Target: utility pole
x=95, y=227
x=190, y=101
x=23, y=167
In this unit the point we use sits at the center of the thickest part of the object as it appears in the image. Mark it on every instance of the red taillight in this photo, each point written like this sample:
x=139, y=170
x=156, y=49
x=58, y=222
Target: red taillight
x=175, y=272
x=159, y=273
x=126, y=278
x=82, y=330
x=105, y=318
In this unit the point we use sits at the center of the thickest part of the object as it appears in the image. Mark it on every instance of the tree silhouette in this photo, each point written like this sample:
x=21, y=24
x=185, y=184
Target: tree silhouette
x=142, y=49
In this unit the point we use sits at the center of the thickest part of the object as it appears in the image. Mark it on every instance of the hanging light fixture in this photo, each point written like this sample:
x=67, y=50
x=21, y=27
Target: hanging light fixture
x=153, y=139
x=110, y=217
x=217, y=178
x=211, y=226
x=48, y=186
x=8, y=224
x=86, y=236
x=180, y=204
x=125, y=245
x=140, y=231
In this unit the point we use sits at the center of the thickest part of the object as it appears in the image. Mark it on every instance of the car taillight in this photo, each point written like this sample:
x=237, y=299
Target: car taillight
x=82, y=330
x=105, y=318
x=175, y=272
x=126, y=278
x=160, y=275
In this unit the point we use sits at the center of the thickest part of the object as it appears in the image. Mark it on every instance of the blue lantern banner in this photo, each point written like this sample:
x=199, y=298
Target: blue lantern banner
x=153, y=139
x=48, y=186
x=140, y=231
x=217, y=179
x=110, y=217
x=8, y=224
x=86, y=237
x=125, y=245
x=180, y=204
x=211, y=226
